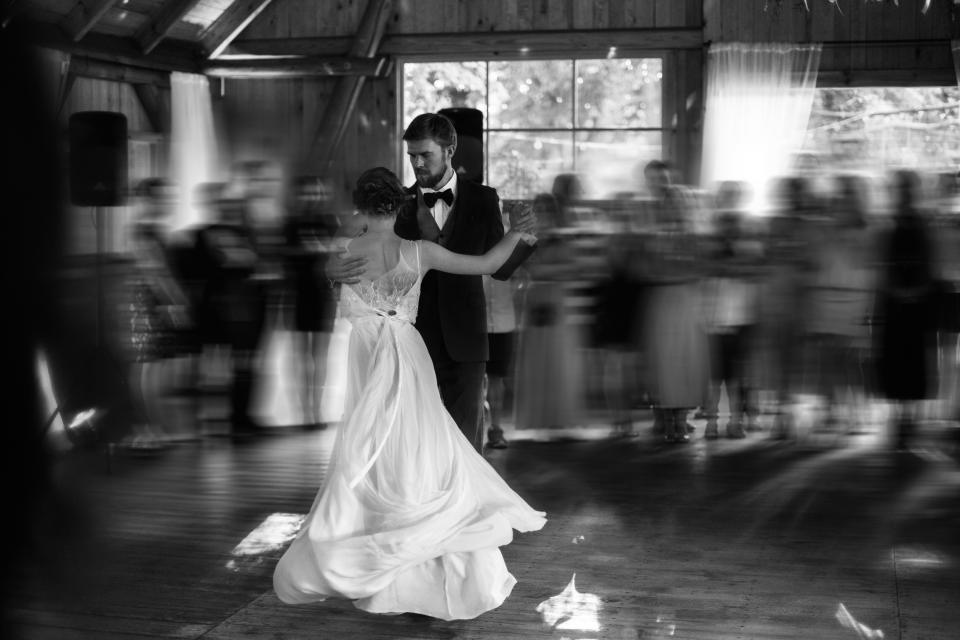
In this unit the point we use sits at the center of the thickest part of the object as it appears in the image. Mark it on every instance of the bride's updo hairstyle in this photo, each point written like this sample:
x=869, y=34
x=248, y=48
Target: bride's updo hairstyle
x=379, y=193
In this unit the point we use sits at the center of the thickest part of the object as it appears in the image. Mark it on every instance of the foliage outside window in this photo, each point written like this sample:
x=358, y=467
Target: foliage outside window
x=871, y=131
x=599, y=118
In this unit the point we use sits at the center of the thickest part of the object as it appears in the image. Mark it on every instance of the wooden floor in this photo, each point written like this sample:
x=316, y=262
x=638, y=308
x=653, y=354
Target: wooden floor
x=714, y=540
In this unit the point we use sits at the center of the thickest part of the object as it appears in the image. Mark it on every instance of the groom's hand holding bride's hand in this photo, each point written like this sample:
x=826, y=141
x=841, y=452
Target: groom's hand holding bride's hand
x=344, y=269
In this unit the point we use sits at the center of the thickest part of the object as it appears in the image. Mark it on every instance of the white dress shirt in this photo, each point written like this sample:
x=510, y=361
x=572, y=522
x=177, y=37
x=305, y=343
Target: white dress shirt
x=441, y=210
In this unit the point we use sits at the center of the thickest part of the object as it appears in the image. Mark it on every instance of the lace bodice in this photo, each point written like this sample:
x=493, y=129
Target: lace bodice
x=394, y=294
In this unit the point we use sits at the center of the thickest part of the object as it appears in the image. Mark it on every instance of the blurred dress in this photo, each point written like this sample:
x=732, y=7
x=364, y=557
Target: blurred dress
x=549, y=378
x=153, y=334
x=312, y=303
x=410, y=517
x=842, y=286
x=675, y=343
x=906, y=304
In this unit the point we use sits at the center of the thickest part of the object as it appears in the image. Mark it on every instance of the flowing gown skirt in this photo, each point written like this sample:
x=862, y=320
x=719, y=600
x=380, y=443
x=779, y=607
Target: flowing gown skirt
x=410, y=518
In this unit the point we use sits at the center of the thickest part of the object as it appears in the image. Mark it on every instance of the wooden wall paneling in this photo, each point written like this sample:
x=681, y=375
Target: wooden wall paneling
x=218, y=36
x=84, y=15
x=643, y=13
x=552, y=14
x=453, y=14
x=873, y=18
x=669, y=13
x=617, y=13
x=693, y=16
x=269, y=24
x=475, y=18
x=155, y=103
x=525, y=10
x=601, y=15
x=150, y=35
x=581, y=14
x=857, y=32
x=823, y=21
x=509, y=16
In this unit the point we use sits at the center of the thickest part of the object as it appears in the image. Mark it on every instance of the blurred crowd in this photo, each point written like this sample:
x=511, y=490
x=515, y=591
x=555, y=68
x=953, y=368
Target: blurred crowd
x=669, y=303
x=672, y=298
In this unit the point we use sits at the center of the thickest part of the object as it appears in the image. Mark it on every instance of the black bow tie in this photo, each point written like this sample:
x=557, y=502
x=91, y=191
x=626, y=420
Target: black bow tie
x=431, y=197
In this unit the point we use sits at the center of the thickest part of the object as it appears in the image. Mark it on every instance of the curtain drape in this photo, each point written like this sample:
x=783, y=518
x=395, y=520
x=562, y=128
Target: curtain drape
x=193, y=144
x=758, y=102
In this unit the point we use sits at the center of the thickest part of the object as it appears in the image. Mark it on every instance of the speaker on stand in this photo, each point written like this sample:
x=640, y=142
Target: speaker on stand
x=98, y=179
x=468, y=158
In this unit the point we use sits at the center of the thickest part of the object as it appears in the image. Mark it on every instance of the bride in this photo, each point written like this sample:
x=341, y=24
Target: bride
x=411, y=517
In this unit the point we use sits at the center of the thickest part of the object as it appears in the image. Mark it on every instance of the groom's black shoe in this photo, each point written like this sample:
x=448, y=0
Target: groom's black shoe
x=495, y=439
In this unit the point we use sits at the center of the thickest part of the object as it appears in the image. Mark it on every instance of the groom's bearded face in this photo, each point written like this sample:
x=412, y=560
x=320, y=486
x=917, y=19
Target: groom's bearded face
x=429, y=160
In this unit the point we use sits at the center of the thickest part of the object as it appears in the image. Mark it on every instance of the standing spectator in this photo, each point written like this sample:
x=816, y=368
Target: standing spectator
x=906, y=298
x=730, y=299
x=501, y=335
x=309, y=230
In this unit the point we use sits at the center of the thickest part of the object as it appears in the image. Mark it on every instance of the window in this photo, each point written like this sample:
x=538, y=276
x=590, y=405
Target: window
x=599, y=118
x=874, y=130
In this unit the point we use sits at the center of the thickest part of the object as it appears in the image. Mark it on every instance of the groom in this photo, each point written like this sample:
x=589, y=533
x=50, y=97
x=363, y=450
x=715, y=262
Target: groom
x=464, y=217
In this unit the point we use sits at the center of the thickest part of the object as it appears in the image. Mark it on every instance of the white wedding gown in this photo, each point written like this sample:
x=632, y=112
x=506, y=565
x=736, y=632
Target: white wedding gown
x=411, y=517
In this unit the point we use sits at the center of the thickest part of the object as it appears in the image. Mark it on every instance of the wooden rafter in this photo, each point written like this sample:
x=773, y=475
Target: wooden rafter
x=156, y=104
x=230, y=24
x=157, y=29
x=337, y=114
x=84, y=15
x=297, y=67
x=120, y=51
x=486, y=43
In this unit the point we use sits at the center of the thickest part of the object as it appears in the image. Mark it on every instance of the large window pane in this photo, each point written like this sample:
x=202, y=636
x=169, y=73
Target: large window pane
x=431, y=86
x=612, y=162
x=886, y=128
x=531, y=94
x=619, y=93
x=523, y=164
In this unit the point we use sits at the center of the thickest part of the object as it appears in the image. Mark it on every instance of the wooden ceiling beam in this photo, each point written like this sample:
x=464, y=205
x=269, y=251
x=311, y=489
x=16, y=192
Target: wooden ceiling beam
x=486, y=43
x=297, y=67
x=84, y=16
x=230, y=24
x=152, y=33
x=121, y=51
x=101, y=70
x=336, y=116
x=156, y=104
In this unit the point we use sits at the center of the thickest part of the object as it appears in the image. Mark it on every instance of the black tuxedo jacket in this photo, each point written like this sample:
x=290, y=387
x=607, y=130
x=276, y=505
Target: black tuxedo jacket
x=452, y=316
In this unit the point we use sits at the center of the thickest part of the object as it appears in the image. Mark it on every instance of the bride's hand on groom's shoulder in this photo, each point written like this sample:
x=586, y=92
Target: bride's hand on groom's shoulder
x=344, y=269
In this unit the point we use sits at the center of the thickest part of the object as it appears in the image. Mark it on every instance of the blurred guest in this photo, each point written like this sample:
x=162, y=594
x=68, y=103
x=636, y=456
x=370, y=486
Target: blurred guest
x=549, y=380
x=501, y=335
x=618, y=303
x=905, y=298
x=730, y=305
x=310, y=227
x=841, y=290
x=676, y=347
x=781, y=305
x=159, y=314
x=232, y=308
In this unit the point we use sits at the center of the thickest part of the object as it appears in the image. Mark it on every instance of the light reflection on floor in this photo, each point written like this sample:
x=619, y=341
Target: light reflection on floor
x=847, y=621
x=271, y=535
x=571, y=610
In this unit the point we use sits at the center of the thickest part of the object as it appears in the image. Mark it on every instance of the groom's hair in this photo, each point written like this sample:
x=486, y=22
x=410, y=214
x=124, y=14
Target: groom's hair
x=434, y=126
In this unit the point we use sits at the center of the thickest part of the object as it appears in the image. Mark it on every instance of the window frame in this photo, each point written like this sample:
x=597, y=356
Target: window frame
x=667, y=128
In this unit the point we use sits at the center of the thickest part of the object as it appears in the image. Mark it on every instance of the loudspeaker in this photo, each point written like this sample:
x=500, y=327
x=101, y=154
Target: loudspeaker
x=98, y=158
x=468, y=158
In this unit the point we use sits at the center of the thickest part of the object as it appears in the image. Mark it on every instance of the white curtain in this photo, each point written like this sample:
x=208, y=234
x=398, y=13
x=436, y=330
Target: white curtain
x=193, y=152
x=758, y=102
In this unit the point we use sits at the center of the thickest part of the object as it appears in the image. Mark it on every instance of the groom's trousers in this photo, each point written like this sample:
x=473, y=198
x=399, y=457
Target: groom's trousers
x=461, y=388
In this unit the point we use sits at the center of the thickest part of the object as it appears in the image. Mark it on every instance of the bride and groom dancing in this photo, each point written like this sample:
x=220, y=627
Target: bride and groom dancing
x=411, y=517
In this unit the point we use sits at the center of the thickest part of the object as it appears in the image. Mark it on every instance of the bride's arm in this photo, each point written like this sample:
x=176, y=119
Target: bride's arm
x=433, y=256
